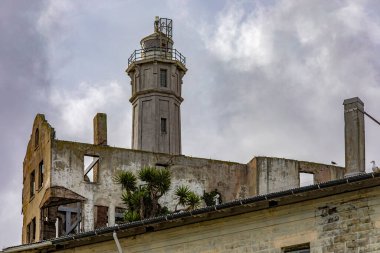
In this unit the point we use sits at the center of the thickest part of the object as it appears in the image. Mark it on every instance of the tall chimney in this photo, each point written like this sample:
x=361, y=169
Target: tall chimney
x=100, y=129
x=354, y=136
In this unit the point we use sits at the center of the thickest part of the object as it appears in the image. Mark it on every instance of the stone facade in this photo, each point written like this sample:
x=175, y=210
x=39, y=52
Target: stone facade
x=339, y=217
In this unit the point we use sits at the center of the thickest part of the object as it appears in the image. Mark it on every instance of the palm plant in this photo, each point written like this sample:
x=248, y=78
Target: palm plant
x=186, y=198
x=193, y=201
x=126, y=179
x=142, y=200
x=181, y=194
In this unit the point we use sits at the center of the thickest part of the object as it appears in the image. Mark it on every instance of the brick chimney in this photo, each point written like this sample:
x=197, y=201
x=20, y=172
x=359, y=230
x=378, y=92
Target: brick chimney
x=354, y=136
x=100, y=129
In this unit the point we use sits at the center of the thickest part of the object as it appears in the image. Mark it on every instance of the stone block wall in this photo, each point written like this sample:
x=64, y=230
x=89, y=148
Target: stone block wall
x=348, y=222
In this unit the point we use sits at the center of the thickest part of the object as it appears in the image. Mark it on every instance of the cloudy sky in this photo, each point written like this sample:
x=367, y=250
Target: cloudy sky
x=265, y=77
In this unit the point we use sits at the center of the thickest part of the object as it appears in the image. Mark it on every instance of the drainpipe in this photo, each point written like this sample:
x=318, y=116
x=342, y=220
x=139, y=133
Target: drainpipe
x=119, y=249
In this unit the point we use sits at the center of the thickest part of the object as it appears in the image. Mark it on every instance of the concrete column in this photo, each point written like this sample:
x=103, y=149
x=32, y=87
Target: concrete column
x=111, y=214
x=88, y=214
x=354, y=136
x=100, y=129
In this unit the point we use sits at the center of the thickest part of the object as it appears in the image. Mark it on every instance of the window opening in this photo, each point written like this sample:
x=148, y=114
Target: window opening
x=91, y=167
x=101, y=216
x=119, y=215
x=32, y=184
x=69, y=218
x=302, y=248
x=31, y=231
x=163, y=126
x=163, y=78
x=41, y=172
x=36, y=138
x=306, y=179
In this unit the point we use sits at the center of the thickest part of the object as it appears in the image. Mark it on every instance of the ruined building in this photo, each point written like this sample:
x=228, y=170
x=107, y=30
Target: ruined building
x=71, y=202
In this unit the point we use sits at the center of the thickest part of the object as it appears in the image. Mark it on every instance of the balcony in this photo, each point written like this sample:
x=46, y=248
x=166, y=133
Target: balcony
x=157, y=53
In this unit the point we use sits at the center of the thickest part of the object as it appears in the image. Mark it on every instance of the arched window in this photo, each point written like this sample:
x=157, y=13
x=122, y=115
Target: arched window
x=36, y=138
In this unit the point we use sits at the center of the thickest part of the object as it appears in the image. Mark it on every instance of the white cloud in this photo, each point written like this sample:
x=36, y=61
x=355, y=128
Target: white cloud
x=76, y=108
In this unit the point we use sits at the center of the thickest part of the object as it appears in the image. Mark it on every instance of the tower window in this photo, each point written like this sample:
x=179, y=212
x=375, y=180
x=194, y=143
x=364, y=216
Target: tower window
x=36, y=138
x=32, y=184
x=163, y=78
x=163, y=126
x=41, y=172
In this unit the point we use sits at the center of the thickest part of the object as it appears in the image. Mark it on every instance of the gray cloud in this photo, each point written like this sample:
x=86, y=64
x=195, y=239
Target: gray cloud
x=23, y=84
x=285, y=70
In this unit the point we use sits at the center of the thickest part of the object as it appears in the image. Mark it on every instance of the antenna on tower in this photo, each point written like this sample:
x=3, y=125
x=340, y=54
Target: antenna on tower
x=164, y=25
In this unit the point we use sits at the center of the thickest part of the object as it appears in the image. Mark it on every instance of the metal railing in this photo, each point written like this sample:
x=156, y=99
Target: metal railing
x=160, y=53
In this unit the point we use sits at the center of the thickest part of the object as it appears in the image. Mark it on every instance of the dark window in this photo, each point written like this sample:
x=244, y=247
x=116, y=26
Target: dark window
x=31, y=231
x=302, y=248
x=36, y=138
x=32, y=183
x=163, y=78
x=163, y=126
x=41, y=172
x=119, y=215
x=101, y=216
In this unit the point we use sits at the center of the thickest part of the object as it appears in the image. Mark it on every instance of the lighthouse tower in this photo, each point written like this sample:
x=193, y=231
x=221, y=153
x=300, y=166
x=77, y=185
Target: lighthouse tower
x=156, y=71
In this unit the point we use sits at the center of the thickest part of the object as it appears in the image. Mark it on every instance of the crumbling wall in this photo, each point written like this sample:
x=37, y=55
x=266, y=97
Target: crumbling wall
x=277, y=174
x=230, y=179
x=38, y=149
x=321, y=172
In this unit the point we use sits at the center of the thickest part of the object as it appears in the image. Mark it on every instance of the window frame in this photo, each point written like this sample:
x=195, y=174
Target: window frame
x=41, y=172
x=31, y=231
x=32, y=184
x=163, y=78
x=164, y=125
x=36, y=138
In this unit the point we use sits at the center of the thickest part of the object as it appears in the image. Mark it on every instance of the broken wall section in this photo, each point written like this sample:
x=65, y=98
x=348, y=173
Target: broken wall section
x=36, y=177
x=279, y=174
x=201, y=175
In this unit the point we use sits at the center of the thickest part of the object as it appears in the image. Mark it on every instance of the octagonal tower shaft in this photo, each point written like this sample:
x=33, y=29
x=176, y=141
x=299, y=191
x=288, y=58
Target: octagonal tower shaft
x=156, y=71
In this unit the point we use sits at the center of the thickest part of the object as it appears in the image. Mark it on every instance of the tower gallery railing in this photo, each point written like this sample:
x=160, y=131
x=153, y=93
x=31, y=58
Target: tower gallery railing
x=160, y=53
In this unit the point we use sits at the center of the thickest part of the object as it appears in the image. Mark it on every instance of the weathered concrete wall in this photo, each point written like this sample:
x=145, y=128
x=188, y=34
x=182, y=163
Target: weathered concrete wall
x=277, y=174
x=230, y=179
x=64, y=167
x=322, y=172
x=347, y=222
x=33, y=157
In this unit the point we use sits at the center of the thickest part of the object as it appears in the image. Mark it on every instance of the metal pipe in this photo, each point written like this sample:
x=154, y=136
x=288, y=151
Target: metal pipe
x=119, y=249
